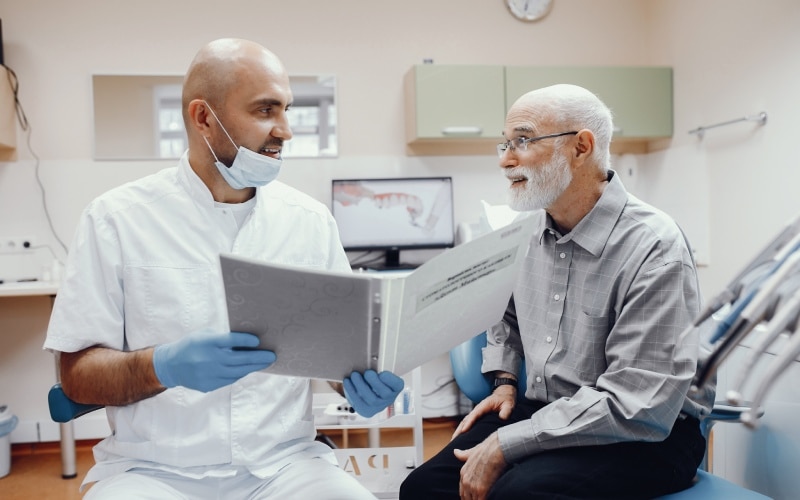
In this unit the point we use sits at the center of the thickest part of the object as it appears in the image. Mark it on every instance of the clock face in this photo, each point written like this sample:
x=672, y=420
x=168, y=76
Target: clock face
x=529, y=10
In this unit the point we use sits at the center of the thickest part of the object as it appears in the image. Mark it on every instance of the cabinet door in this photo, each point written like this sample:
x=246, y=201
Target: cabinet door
x=455, y=101
x=640, y=98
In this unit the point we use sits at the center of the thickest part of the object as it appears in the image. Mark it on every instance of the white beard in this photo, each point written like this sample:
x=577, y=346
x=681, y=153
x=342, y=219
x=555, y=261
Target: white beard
x=543, y=185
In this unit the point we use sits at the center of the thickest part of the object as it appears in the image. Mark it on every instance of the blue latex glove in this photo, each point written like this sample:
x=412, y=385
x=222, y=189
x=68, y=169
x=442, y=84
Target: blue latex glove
x=371, y=393
x=207, y=361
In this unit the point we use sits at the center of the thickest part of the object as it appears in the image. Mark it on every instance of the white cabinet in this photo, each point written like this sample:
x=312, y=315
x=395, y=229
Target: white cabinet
x=8, y=118
x=460, y=109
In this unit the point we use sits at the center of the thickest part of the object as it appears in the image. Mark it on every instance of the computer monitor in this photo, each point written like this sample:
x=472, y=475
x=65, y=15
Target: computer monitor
x=394, y=214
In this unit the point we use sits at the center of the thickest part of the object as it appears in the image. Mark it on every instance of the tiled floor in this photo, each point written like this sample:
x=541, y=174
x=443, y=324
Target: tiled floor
x=36, y=468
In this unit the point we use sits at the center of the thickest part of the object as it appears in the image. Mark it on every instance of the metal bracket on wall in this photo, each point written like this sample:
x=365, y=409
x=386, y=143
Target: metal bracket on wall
x=760, y=118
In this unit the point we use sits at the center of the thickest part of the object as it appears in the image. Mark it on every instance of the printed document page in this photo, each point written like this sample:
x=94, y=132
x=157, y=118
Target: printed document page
x=453, y=297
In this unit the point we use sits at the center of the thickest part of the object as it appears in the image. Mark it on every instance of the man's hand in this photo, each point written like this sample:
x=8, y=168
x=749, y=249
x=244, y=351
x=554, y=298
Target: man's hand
x=207, y=361
x=371, y=393
x=502, y=401
x=483, y=464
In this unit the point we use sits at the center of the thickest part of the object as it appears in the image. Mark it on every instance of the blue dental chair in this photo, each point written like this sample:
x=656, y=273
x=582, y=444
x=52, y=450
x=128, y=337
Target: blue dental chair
x=466, y=360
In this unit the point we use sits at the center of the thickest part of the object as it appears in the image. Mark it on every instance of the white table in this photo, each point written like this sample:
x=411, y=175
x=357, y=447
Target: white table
x=28, y=288
x=66, y=431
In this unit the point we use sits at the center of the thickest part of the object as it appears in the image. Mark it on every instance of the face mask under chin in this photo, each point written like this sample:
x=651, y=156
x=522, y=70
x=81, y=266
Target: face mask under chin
x=249, y=168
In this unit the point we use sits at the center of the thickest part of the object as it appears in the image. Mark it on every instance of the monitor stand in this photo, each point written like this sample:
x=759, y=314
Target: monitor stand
x=392, y=258
x=392, y=262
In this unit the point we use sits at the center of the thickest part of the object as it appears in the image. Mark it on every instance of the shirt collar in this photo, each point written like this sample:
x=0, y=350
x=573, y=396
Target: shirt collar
x=195, y=186
x=593, y=231
x=192, y=182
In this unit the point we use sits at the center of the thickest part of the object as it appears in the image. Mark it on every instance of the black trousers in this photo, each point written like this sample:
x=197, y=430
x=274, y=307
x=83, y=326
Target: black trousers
x=622, y=470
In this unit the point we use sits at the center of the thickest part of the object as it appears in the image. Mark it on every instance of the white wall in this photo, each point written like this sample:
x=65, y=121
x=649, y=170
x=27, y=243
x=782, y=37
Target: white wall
x=731, y=191
x=731, y=58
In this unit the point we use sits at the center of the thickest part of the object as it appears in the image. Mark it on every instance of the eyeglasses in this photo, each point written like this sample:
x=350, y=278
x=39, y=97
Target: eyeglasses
x=521, y=143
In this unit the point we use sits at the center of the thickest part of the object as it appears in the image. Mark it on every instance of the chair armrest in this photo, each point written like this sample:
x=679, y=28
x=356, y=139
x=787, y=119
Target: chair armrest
x=724, y=412
x=466, y=360
x=63, y=409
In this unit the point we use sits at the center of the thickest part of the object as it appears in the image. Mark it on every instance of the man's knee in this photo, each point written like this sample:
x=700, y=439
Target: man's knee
x=432, y=480
x=416, y=483
x=410, y=487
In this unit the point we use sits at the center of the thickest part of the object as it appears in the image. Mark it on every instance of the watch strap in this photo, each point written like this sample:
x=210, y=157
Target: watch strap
x=498, y=381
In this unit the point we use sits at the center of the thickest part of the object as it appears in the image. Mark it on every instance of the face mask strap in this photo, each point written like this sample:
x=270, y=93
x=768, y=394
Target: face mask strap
x=221, y=126
x=211, y=149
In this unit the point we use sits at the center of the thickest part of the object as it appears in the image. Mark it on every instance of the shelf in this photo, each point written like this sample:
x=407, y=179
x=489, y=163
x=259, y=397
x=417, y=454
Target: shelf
x=397, y=421
x=323, y=402
x=28, y=288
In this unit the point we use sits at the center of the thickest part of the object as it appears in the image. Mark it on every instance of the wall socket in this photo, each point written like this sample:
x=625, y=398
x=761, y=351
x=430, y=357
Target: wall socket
x=18, y=244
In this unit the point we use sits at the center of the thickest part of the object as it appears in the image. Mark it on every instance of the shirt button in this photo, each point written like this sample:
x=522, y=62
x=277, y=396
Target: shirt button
x=538, y=379
x=562, y=255
x=549, y=339
x=556, y=297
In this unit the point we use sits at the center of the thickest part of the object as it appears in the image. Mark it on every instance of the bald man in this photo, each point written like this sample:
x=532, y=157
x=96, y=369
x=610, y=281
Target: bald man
x=140, y=322
x=606, y=290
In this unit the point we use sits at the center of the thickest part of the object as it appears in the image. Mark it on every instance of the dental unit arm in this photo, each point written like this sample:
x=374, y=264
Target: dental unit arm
x=766, y=294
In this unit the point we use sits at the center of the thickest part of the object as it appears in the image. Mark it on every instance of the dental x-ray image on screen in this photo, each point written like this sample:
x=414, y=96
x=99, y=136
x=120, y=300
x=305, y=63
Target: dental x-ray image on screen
x=394, y=214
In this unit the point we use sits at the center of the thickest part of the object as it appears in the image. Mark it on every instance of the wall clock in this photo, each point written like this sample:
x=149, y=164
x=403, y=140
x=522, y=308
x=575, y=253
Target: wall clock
x=529, y=10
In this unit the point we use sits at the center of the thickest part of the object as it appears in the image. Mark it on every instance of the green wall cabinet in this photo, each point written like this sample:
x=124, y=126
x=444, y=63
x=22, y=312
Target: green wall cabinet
x=460, y=109
x=639, y=97
x=454, y=105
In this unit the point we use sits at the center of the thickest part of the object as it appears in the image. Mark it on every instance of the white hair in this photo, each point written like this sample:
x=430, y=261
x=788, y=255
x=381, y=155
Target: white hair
x=575, y=108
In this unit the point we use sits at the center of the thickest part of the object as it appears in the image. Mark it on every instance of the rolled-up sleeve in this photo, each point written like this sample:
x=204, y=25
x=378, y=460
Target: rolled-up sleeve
x=503, y=351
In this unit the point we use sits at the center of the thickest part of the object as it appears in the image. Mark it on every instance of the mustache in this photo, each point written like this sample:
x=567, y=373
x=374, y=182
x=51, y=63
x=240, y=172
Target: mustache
x=273, y=144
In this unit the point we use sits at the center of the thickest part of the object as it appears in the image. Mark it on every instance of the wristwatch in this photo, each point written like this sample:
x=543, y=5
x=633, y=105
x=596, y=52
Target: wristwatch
x=503, y=381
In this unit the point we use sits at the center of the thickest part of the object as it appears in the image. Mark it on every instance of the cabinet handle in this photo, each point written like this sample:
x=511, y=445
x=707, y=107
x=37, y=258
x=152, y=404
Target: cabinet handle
x=617, y=131
x=462, y=131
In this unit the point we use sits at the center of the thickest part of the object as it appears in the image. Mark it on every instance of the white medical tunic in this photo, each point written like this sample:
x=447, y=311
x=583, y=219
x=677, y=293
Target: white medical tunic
x=144, y=270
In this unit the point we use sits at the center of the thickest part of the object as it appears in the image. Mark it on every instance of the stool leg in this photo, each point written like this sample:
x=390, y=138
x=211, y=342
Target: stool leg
x=68, y=456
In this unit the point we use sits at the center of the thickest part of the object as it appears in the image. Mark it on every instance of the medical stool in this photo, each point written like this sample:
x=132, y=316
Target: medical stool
x=466, y=360
x=64, y=410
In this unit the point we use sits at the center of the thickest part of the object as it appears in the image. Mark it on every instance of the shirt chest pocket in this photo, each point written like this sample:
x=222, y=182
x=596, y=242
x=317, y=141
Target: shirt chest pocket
x=165, y=303
x=589, y=343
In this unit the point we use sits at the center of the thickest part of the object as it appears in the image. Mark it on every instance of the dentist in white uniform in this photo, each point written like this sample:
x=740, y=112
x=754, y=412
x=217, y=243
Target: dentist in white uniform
x=140, y=322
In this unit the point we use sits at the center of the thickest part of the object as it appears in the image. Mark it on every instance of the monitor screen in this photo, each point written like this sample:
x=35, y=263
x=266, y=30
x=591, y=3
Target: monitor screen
x=394, y=214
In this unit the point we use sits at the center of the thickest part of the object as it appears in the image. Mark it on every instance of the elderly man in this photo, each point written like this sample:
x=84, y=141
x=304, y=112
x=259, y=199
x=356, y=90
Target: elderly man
x=141, y=325
x=607, y=288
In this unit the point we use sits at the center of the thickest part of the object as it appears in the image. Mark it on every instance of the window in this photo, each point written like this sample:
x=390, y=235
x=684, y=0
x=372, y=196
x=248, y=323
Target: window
x=312, y=118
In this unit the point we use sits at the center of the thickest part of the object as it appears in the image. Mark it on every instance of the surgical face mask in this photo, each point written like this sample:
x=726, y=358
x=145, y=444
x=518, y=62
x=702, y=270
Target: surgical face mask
x=249, y=169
